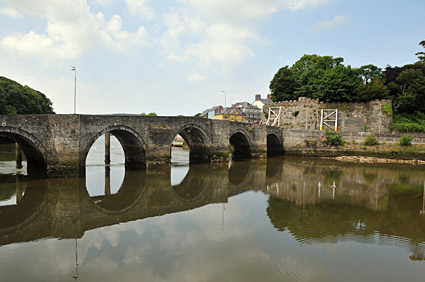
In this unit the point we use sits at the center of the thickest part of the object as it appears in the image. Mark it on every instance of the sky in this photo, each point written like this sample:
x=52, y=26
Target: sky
x=177, y=57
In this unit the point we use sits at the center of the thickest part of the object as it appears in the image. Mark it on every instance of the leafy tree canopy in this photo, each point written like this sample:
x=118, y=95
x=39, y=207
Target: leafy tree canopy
x=18, y=99
x=327, y=79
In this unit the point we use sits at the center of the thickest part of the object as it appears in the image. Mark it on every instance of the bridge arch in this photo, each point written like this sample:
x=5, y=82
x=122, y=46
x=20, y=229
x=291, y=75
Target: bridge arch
x=274, y=145
x=34, y=150
x=132, y=143
x=241, y=145
x=198, y=141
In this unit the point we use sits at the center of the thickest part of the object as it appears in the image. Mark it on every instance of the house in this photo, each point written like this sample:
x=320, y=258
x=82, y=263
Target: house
x=232, y=114
x=210, y=113
x=259, y=102
x=252, y=113
x=218, y=112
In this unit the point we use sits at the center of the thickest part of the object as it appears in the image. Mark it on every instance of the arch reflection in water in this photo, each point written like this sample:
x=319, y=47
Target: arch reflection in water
x=141, y=195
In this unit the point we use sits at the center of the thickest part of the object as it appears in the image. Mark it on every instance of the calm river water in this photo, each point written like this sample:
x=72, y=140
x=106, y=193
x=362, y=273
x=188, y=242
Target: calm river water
x=281, y=219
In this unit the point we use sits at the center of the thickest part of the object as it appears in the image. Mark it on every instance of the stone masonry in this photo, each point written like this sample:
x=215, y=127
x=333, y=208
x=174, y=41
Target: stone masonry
x=57, y=145
x=374, y=116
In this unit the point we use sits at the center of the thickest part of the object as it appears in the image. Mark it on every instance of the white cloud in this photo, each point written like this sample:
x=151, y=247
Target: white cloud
x=336, y=21
x=11, y=13
x=72, y=29
x=196, y=77
x=222, y=31
x=140, y=7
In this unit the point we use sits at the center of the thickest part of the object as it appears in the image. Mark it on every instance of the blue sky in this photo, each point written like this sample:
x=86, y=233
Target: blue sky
x=176, y=57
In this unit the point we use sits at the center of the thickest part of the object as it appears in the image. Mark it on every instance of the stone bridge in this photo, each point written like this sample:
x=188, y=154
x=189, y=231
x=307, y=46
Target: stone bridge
x=57, y=145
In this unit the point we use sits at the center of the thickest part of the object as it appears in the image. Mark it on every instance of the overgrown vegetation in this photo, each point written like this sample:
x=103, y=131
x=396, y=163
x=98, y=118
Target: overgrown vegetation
x=149, y=115
x=333, y=138
x=18, y=99
x=371, y=140
x=409, y=122
x=406, y=140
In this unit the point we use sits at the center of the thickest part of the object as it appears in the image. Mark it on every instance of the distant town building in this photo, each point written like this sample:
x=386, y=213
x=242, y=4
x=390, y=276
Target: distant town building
x=210, y=113
x=252, y=113
x=218, y=112
x=232, y=114
x=259, y=102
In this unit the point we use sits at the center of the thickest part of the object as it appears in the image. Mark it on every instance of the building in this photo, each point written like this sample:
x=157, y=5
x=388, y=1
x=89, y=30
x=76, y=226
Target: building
x=218, y=112
x=210, y=113
x=252, y=113
x=232, y=114
x=259, y=102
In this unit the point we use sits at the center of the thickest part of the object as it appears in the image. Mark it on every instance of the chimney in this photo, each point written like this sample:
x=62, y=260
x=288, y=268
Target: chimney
x=257, y=97
x=269, y=96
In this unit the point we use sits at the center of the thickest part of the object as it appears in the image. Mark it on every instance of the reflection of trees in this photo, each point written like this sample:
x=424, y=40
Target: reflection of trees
x=328, y=221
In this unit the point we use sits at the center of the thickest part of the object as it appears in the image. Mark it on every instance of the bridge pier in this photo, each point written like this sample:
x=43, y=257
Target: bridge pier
x=18, y=156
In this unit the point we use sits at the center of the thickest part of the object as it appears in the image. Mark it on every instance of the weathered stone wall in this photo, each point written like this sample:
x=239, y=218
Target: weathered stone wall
x=352, y=117
x=57, y=145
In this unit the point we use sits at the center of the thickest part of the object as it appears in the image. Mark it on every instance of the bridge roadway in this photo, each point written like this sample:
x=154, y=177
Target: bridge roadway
x=57, y=145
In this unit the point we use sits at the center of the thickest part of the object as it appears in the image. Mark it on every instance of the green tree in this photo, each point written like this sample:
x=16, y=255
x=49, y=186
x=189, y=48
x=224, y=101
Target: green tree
x=421, y=55
x=338, y=84
x=18, y=99
x=283, y=85
x=412, y=96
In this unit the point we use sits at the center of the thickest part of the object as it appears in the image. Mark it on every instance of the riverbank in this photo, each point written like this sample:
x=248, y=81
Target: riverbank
x=357, y=153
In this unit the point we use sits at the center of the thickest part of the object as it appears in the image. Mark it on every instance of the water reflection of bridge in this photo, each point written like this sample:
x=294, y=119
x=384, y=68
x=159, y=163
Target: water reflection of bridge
x=316, y=204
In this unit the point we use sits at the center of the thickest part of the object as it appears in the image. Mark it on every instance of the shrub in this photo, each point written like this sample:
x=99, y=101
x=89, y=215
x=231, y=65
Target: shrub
x=333, y=138
x=371, y=140
x=405, y=140
x=409, y=122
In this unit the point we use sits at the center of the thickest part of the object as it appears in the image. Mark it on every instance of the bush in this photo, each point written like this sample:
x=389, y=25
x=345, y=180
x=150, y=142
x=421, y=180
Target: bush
x=409, y=122
x=333, y=138
x=371, y=140
x=405, y=140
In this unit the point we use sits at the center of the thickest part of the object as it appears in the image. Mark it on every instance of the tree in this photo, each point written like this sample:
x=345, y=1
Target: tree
x=412, y=88
x=308, y=71
x=18, y=99
x=421, y=55
x=283, y=85
x=369, y=72
x=338, y=84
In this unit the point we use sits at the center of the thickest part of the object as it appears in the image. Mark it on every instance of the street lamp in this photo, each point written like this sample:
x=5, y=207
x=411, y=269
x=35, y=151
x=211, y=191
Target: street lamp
x=224, y=97
x=75, y=89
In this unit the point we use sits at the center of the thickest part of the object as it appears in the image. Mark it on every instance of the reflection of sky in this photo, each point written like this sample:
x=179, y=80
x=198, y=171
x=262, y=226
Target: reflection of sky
x=190, y=246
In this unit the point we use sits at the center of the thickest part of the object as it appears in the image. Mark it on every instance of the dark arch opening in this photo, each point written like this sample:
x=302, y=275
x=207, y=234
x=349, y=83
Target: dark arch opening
x=240, y=146
x=196, y=140
x=133, y=148
x=274, y=146
x=35, y=162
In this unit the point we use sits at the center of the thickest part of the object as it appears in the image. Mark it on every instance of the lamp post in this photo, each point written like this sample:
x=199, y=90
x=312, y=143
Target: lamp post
x=224, y=97
x=75, y=89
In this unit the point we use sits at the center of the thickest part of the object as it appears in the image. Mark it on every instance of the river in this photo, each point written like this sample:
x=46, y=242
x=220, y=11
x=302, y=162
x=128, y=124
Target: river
x=280, y=219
